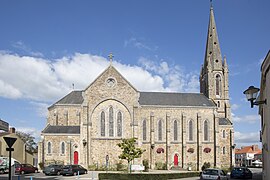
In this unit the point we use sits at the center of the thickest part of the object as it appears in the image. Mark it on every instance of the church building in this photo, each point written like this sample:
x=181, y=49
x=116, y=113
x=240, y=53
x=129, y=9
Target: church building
x=181, y=130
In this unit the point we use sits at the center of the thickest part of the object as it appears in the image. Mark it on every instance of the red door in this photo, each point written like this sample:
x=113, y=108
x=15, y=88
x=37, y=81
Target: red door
x=76, y=157
x=175, y=160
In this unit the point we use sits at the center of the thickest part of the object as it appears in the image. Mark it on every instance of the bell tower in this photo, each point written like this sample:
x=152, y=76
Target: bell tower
x=214, y=82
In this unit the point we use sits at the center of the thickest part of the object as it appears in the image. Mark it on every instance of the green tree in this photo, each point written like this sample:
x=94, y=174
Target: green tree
x=129, y=151
x=28, y=139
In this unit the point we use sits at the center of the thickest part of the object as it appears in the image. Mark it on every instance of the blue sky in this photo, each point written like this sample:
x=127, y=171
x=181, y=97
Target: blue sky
x=158, y=45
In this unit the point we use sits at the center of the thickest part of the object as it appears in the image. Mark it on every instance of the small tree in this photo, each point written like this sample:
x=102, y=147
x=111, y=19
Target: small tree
x=28, y=139
x=130, y=152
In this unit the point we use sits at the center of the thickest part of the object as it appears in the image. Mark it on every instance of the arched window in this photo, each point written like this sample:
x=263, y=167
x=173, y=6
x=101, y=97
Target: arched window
x=190, y=130
x=49, y=147
x=205, y=129
x=175, y=131
x=111, y=122
x=63, y=148
x=223, y=150
x=144, y=130
x=102, y=124
x=224, y=134
x=119, y=124
x=160, y=130
x=218, y=85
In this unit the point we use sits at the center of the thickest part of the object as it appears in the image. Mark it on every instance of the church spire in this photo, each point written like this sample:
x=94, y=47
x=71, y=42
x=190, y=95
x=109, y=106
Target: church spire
x=212, y=45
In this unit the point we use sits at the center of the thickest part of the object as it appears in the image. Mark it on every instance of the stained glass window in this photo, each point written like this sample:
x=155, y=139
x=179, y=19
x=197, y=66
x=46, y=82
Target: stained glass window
x=205, y=128
x=119, y=124
x=160, y=130
x=190, y=130
x=175, y=131
x=144, y=130
x=102, y=124
x=62, y=148
x=111, y=122
x=49, y=147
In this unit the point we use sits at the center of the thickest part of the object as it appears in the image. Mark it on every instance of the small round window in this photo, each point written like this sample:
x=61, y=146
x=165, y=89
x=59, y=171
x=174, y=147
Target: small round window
x=111, y=82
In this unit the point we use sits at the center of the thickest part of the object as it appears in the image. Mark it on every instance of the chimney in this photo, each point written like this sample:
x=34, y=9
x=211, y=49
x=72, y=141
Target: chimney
x=12, y=130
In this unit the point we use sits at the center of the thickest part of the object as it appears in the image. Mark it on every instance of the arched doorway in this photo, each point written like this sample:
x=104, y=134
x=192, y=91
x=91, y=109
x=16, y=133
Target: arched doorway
x=76, y=157
x=175, y=160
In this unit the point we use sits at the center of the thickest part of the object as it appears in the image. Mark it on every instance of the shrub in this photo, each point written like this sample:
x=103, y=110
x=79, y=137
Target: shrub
x=146, y=165
x=206, y=165
x=160, y=166
x=41, y=165
x=120, y=166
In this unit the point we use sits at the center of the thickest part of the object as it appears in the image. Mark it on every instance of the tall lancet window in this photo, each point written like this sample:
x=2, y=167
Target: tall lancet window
x=63, y=148
x=206, y=130
x=160, y=130
x=175, y=131
x=119, y=124
x=111, y=121
x=144, y=130
x=218, y=85
x=190, y=130
x=49, y=147
x=102, y=124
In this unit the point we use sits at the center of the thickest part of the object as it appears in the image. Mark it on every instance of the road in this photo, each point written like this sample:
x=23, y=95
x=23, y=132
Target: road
x=93, y=175
x=257, y=175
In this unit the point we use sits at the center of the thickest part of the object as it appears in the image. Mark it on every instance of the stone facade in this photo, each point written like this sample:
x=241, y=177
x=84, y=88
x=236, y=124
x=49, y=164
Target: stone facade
x=265, y=115
x=178, y=129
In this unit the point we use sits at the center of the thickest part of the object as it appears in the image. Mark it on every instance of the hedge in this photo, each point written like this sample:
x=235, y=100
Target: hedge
x=146, y=176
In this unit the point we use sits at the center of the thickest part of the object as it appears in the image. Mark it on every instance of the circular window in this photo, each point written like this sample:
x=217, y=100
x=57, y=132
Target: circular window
x=111, y=82
x=216, y=61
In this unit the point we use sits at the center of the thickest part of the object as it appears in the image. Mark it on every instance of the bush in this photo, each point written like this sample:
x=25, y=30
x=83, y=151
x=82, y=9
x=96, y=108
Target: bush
x=146, y=176
x=120, y=166
x=41, y=165
x=206, y=165
x=146, y=165
x=160, y=166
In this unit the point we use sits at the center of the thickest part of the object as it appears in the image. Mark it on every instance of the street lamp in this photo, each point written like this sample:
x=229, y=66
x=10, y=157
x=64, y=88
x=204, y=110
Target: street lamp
x=251, y=94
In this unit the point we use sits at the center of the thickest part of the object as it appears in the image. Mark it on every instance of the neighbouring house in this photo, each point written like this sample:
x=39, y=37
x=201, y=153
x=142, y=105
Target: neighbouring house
x=264, y=111
x=246, y=155
x=177, y=129
x=20, y=153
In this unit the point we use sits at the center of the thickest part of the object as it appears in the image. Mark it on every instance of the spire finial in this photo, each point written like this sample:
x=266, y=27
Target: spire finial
x=111, y=58
x=211, y=4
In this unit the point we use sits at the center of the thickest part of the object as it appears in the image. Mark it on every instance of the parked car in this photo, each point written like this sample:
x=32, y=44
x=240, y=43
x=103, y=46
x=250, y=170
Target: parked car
x=4, y=164
x=213, y=173
x=53, y=169
x=241, y=172
x=25, y=168
x=73, y=170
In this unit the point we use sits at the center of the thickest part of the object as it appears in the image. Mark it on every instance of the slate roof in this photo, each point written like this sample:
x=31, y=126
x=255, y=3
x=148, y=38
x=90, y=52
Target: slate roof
x=74, y=97
x=62, y=129
x=174, y=99
x=224, y=121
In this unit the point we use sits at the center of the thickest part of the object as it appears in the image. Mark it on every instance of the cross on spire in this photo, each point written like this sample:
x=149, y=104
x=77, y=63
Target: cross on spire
x=111, y=58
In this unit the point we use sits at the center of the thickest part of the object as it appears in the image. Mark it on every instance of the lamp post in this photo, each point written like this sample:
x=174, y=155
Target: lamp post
x=251, y=94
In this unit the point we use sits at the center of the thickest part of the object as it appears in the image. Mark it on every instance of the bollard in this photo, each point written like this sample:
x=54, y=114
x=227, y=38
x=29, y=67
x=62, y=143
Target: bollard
x=31, y=178
x=92, y=175
x=78, y=175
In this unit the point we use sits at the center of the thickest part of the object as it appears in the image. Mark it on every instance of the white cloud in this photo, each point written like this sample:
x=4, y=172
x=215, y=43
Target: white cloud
x=251, y=119
x=244, y=139
x=22, y=46
x=139, y=44
x=43, y=80
x=174, y=77
x=32, y=131
x=41, y=108
x=235, y=106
